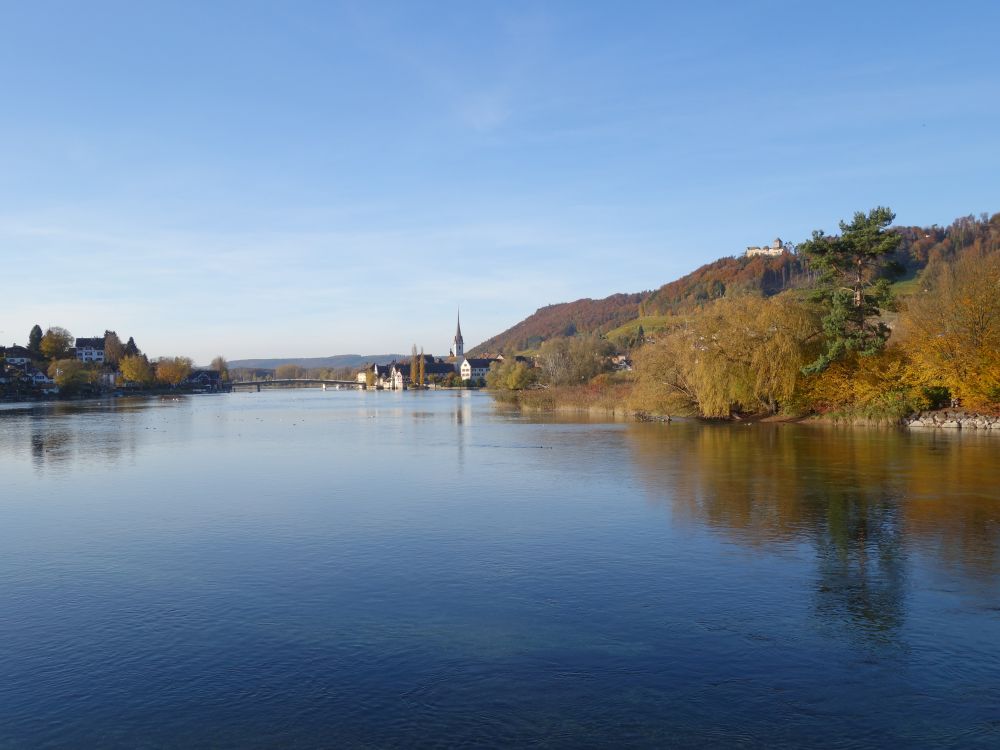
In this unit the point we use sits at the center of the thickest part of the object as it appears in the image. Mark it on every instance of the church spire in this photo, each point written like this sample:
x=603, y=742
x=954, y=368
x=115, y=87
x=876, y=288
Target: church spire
x=457, y=344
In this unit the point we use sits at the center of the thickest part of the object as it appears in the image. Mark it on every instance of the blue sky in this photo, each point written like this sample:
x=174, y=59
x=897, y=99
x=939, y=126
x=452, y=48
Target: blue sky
x=303, y=179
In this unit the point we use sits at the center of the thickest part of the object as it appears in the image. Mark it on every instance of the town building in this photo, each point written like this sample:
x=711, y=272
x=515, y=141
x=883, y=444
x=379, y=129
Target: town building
x=16, y=355
x=621, y=363
x=90, y=350
x=399, y=377
x=37, y=377
x=776, y=248
x=437, y=368
x=381, y=375
x=473, y=368
x=210, y=380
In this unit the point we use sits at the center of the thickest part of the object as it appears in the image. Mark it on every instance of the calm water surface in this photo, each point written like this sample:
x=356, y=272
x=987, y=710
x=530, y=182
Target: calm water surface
x=344, y=569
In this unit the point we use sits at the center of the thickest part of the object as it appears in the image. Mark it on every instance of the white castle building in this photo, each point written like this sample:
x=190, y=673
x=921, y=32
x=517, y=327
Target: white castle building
x=776, y=248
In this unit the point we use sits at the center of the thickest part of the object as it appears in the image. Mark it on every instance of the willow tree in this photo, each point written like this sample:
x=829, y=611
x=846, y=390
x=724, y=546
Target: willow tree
x=851, y=286
x=741, y=354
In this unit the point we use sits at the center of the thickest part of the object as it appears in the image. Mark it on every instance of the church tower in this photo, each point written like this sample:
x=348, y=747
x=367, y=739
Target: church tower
x=457, y=344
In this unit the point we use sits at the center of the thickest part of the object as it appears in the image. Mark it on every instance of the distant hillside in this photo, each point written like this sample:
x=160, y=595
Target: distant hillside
x=565, y=319
x=762, y=275
x=333, y=362
x=922, y=247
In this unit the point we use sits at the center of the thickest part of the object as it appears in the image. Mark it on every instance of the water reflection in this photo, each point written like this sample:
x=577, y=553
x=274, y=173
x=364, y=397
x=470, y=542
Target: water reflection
x=59, y=436
x=861, y=561
x=862, y=500
x=788, y=586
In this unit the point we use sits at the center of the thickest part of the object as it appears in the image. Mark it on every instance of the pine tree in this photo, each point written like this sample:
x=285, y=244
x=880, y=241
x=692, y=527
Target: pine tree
x=851, y=284
x=35, y=340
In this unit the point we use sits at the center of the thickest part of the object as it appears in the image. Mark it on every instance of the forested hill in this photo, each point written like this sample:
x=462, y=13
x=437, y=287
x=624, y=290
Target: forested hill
x=565, y=319
x=765, y=275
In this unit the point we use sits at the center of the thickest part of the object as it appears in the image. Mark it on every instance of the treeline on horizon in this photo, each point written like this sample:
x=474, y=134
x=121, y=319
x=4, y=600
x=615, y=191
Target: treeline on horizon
x=291, y=372
x=876, y=322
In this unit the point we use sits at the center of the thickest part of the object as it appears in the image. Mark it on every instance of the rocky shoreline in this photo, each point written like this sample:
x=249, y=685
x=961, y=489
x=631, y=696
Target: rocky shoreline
x=952, y=419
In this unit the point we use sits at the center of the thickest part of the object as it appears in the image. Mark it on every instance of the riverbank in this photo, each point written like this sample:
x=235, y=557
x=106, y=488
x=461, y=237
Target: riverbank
x=615, y=401
x=594, y=399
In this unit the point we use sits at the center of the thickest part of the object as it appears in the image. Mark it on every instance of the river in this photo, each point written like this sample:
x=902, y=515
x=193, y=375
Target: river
x=375, y=569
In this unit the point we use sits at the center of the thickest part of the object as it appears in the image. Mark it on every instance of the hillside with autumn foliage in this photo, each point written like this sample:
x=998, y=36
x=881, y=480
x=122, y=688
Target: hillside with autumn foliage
x=565, y=319
x=883, y=323
x=920, y=248
x=758, y=275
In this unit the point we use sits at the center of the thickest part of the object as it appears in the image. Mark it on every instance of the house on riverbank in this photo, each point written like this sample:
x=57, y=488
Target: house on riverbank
x=16, y=355
x=473, y=368
x=90, y=350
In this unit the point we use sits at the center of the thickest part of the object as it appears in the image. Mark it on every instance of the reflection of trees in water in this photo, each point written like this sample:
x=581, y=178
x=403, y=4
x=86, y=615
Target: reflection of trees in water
x=57, y=435
x=862, y=562
x=861, y=498
x=54, y=445
x=953, y=499
x=50, y=446
x=745, y=481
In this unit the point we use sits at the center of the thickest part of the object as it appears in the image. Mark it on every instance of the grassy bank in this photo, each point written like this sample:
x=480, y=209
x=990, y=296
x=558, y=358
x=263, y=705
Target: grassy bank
x=610, y=398
x=619, y=399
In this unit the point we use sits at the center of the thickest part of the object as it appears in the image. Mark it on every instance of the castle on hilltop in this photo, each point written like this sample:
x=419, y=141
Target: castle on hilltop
x=776, y=248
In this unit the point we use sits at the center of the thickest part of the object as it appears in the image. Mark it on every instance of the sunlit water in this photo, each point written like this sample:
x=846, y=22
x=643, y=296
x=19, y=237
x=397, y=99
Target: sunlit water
x=345, y=569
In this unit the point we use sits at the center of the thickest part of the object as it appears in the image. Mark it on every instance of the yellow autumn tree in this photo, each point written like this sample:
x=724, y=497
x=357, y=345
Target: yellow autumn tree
x=740, y=354
x=56, y=343
x=952, y=331
x=136, y=369
x=878, y=387
x=173, y=370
